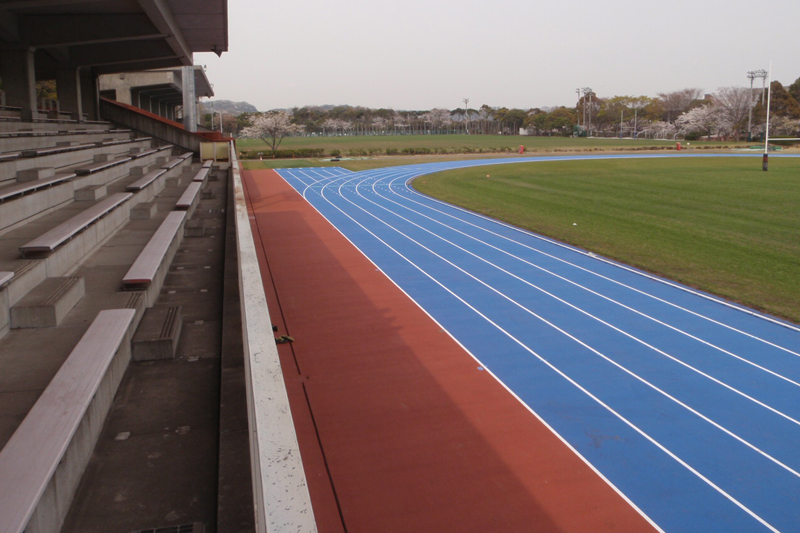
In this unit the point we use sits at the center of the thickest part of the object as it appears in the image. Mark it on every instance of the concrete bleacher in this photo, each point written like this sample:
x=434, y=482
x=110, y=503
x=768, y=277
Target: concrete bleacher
x=75, y=219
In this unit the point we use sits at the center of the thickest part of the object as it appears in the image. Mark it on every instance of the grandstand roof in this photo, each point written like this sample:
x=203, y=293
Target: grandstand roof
x=91, y=33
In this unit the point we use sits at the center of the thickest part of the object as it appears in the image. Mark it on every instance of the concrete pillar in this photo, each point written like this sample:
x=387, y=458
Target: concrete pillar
x=89, y=94
x=124, y=95
x=68, y=86
x=189, y=99
x=18, y=71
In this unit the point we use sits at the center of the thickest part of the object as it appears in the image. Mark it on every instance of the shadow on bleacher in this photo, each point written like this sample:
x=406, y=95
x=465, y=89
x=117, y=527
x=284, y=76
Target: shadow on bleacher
x=90, y=218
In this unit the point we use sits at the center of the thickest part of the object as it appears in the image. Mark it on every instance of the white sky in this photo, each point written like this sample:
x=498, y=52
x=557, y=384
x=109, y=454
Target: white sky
x=421, y=54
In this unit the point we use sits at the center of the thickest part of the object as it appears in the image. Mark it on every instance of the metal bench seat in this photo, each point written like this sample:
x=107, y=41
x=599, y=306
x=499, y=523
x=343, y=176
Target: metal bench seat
x=56, y=150
x=48, y=242
x=145, y=180
x=201, y=174
x=172, y=163
x=188, y=197
x=175, y=161
x=151, y=151
x=144, y=269
x=19, y=189
x=54, y=133
x=103, y=165
x=31, y=462
x=123, y=141
x=35, y=133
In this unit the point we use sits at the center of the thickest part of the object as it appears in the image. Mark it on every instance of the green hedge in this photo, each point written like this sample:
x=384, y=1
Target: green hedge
x=300, y=153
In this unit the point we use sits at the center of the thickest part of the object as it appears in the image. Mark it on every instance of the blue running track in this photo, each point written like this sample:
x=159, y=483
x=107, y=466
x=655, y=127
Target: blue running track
x=687, y=405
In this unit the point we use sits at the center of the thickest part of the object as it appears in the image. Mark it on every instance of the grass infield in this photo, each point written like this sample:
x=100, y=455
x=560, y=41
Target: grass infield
x=352, y=145
x=721, y=225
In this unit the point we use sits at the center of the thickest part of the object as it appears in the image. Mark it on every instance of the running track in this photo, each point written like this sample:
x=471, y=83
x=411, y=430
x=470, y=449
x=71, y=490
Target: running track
x=688, y=406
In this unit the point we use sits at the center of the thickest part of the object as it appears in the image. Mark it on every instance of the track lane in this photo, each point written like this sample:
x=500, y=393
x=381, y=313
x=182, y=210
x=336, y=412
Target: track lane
x=343, y=193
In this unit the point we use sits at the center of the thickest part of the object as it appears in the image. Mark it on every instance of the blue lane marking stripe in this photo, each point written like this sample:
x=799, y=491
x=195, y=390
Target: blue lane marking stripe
x=686, y=405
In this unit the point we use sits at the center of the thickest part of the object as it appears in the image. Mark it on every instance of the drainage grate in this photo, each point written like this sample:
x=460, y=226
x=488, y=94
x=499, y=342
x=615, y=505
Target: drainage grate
x=196, y=527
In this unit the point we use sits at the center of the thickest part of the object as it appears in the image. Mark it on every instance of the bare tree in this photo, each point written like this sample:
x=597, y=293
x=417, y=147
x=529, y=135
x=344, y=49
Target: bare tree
x=271, y=127
x=678, y=102
x=734, y=104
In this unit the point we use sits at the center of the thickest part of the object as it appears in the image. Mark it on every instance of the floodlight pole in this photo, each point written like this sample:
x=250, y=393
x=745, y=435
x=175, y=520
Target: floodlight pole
x=579, y=103
x=466, y=115
x=588, y=126
x=753, y=74
x=765, y=162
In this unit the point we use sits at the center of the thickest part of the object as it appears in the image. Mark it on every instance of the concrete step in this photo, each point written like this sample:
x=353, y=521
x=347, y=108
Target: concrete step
x=158, y=334
x=90, y=193
x=48, y=303
x=144, y=211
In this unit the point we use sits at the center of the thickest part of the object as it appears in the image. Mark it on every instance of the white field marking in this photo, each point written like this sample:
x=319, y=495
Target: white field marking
x=293, y=175
x=687, y=334
x=567, y=378
x=564, y=332
x=313, y=177
x=612, y=263
x=314, y=181
x=490, y=372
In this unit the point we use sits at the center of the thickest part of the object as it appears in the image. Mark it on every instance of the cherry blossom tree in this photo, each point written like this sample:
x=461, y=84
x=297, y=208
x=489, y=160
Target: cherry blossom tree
x=437, y=118
x=271, y=127
x=704, y=120
x=659, y=130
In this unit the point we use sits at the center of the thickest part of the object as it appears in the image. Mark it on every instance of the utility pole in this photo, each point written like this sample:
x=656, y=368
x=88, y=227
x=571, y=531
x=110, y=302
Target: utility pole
x=466, y=114
x=753, y=74
x=765, y=162
x=587, y=91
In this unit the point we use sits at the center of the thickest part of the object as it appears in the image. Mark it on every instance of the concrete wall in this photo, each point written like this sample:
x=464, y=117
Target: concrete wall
x=163, y=130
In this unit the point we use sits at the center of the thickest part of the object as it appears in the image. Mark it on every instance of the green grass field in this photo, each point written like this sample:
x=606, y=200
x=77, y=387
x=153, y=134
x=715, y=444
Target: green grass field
x=719, y=224
x=451, y=143
x=362, y=163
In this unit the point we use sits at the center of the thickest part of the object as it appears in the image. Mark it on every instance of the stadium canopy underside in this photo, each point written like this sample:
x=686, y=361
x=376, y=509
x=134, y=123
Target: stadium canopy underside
x=74, y=41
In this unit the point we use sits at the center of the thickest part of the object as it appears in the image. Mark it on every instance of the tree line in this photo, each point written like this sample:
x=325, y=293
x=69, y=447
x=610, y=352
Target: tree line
x=730, y=112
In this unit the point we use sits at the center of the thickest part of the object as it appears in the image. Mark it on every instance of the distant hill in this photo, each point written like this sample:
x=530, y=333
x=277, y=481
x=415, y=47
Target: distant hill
x=228, y=107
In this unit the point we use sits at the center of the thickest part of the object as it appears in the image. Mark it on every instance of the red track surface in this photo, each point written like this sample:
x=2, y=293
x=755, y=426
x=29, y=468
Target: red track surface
x=398, y=428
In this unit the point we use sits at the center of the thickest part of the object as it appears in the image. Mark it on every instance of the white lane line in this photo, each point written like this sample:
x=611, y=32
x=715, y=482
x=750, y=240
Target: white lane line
x=564, y=332
x=562, y=374
x=609, y=299
x=714, y=299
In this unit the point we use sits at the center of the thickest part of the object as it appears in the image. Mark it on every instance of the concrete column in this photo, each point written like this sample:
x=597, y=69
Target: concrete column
x=68, y=85
x=18, y=71
x=124, y=95
x=189, y=99
x=89, y=94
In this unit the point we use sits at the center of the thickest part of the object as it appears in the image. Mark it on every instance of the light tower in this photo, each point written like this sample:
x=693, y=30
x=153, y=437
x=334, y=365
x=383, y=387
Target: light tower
x=466, y=114
x=587, y=91
x=753, y=74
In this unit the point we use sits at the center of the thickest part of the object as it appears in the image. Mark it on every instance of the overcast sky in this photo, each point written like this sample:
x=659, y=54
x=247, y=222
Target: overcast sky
x=421, y=54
